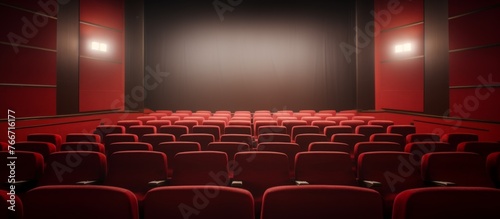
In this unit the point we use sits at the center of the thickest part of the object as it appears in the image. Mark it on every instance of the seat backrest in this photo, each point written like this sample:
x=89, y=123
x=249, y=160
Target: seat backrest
x=332, y=130
x=128, y=146
x=391, y=137
x=289, y=124
x=322, y=124
x=482, y=148
x=383, y=123
x=447, y=202
x=403, y=130
x=421, y=148
x=369, y=130
x=125, y=137
x=290, y=149
x=145, y=119
x=238, y=129
x=493, y=167
x=158, y=115
x=30, y=169
x=396, y=171
x=420, y=137
x=244, y=138
x=188, y=123
x=325, y=168
x=336, y=119
x=300, y=115
x=71, y=167
x=144, y=166
x=202, y=138
x=128, y=123
x=55, y=139
x=461, y=168
x=260, y=170
x=181, y=114
x=349, y=139
x=43, y=148
x=176, y=130
x=158, y=123
x=200, y=168
x=258, y=124
x=310, y=119
x=177, y=201
x=363, y=147
x=199, y=119
x=172, y=148
x=230, y=148
x=323, y=115
x=366, y=119
x=283, y=118
x=304, y=129
x=220, y=123
x=83, y=146
x=456, y=138
x=157, y=138
x=208, y=129
x=79, y=137
x=239, y=122
x=104, y=130
x=271, y=129
x=79, y=202
x=303, y=140
x=7, y=210
x=141, y=130
x=172, y=119
x=329, y=146
x=272, y=137
x=321, y=201
x=352, y=123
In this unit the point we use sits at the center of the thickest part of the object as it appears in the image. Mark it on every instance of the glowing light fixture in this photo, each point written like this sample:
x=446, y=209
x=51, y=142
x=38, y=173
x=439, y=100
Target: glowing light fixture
x=99, y=46
x=403, y=48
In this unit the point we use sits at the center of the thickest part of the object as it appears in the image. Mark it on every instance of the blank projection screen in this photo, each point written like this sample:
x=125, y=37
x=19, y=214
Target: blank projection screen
x=256, y=55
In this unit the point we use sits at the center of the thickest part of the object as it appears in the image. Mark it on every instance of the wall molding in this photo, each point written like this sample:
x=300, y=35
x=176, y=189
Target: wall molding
x=28, y=85
x=100, y=26
x=28, y=47
x=475, y=47
x=402, y=26
x=474, y=11
x=402, y=59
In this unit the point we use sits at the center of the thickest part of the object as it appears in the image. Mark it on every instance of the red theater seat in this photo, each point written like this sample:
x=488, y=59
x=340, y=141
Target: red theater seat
x=55, y=139
x=482, y=148
x=289, y=124
x=321, y=201
x=447, y=202
x=271, y=137
x=304, y=140
x=325, y=168
x=158, y=115
x=239, y=122
x=352, y=123
x=200, y=168
x=493, y=167
x=208, y=129
x=43, y=148
x=456, y=138
x=199, y=119
x=369, y=130
x=145, y=119
x=127, y=146
x=6, y=207
x=28, y=166
x=176, y=130
x=390, y=137
x=403, y=130
x=332, y=130
x=329, y=146
x=80, y=202
x=349, y=139
x=322, y=124
x=220, y=123
x=74, y=167
x=366, y=119
x=363, y=147
x=172, y=119
x=304, y=129
x=258, y=124
x=203, y=139
x=336, y=119
x=104, y=130
x=156, y=139
x=221, y=203
x=113, y=138
x=243, y=138
x=141, y=130
x=83, y=146
x=158, y=123
x=284, y=118
x=459, y=168
x=172, y=148
x=128, y=123
x=83, y=137
x=290, y=149
x=188, y=123
x=238, y=129
x=323, y=115
x=230, y=148
x=383, y=123
x=421, y=148
x=310, y=119
x=271, y=129
x=422, y=137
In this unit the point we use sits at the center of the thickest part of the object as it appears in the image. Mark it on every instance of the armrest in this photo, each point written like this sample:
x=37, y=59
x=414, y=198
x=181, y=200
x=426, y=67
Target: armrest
x=157, y=183
x=370, y=183
x=237, y=184
x=441, y=183
x=87, y=182
x=301, y=183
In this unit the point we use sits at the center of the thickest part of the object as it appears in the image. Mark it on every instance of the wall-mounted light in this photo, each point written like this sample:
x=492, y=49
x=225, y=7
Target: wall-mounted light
x=403, y=48
x=99, y=46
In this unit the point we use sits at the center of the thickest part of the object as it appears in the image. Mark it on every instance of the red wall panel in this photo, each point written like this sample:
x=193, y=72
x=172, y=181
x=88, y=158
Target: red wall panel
x=107, y=13
x=400, y=12
x=476, y=29
x=27, y=101
x=457, y=7
x=21, y=24
x=467, y=66
x=29, y=66
x=101, y=85
x=472, y=103
x=389, y=39
x=113, y=40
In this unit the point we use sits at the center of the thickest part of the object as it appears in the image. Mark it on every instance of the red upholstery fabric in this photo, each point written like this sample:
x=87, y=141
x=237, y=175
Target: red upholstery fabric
x=328, y=168
x=403, y=130
x=493, y=167
x=369, y=130
x=203, y=139
x=127, y=146
x=329, y=146
x=83, y=146
x=271, y=137
x=128, y=123
x=332, y=130
x=238, y=129
x=479, y=147
x=303, y=140
x=172, y=148
x=188, y=123
x=158, y=123
x=290, y=149
x=208, y=129
x=352, y=123
x=145, y=119
x=266, y=129
x=322, y=124
x=289, y=124
x=391, y=137
x=29, y=167
x=200, y=168
x=230, y=148
x=125, y=137
x=156, y=139
x=55, y=139
x=104, y=130
x=383, y=123
x=349, y=139
x=304, y=129
x=5, y=212
x=456, y=138
x=79, y=137
x=44, y=148
x=141, y=130
x=176, y=130
x=363, y=147
x=420, y=137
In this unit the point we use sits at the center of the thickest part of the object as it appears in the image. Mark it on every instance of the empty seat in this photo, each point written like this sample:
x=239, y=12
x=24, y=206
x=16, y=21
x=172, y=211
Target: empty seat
x=200, y=168
x=422, y=137
x=145, y=119
x=141, y=130
x=383, y=123
x=332, y=130
x=482, y=148
x=128, y=123
x=322, y=124
x=349, y=115
x=203, y=139
x=136, y=170
x=208, y=129
x=204, y=114
x=199, y=119
x=349, y=139
x=447, y=202
x=187, y=112
x=168, y=112
x=304, y=129
x=336, y=119
x=4, y=146
x=394, y=171
x=127, y=146
x=369, y=130
x=113, y=138
x=172, y=148
x=220, y=123
x=43, y=148
x=9, y=211
x=310, y=119
x=237, y=121
x=289, y=124
x=403, y=130
x=290, y=149
x=79, y=202
x=177, y=203
x=323, y=115
x=258, y=124
x=352, y=123
x=79, y=137
x=55, y=139
x=329, y=146
x=230, y=148
x=238, y=129
x=271, y=137
x=456, y=138
x=300, y=115
x=172, y=119
x=104, y=130
x=271, y=129
x=363, y=147
x=219, y=118
x=181, y=115
x=28, y=166
x=158, y=138
x=321, y=201
x=330, y=111
x=459, y=168
x=158, y=115
x=158, y=123
x=421, y=148
x=243, y=138
x=284, y=118
x=83, y=146
x=188, y=123
x=74, y=167
x=176, y=130
x=303, y=140
x=260, y=170
x=493, y=167
x=308, y=111
x=325, y=168
x=281, y=114
x=391, y=137
x=366, y=119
